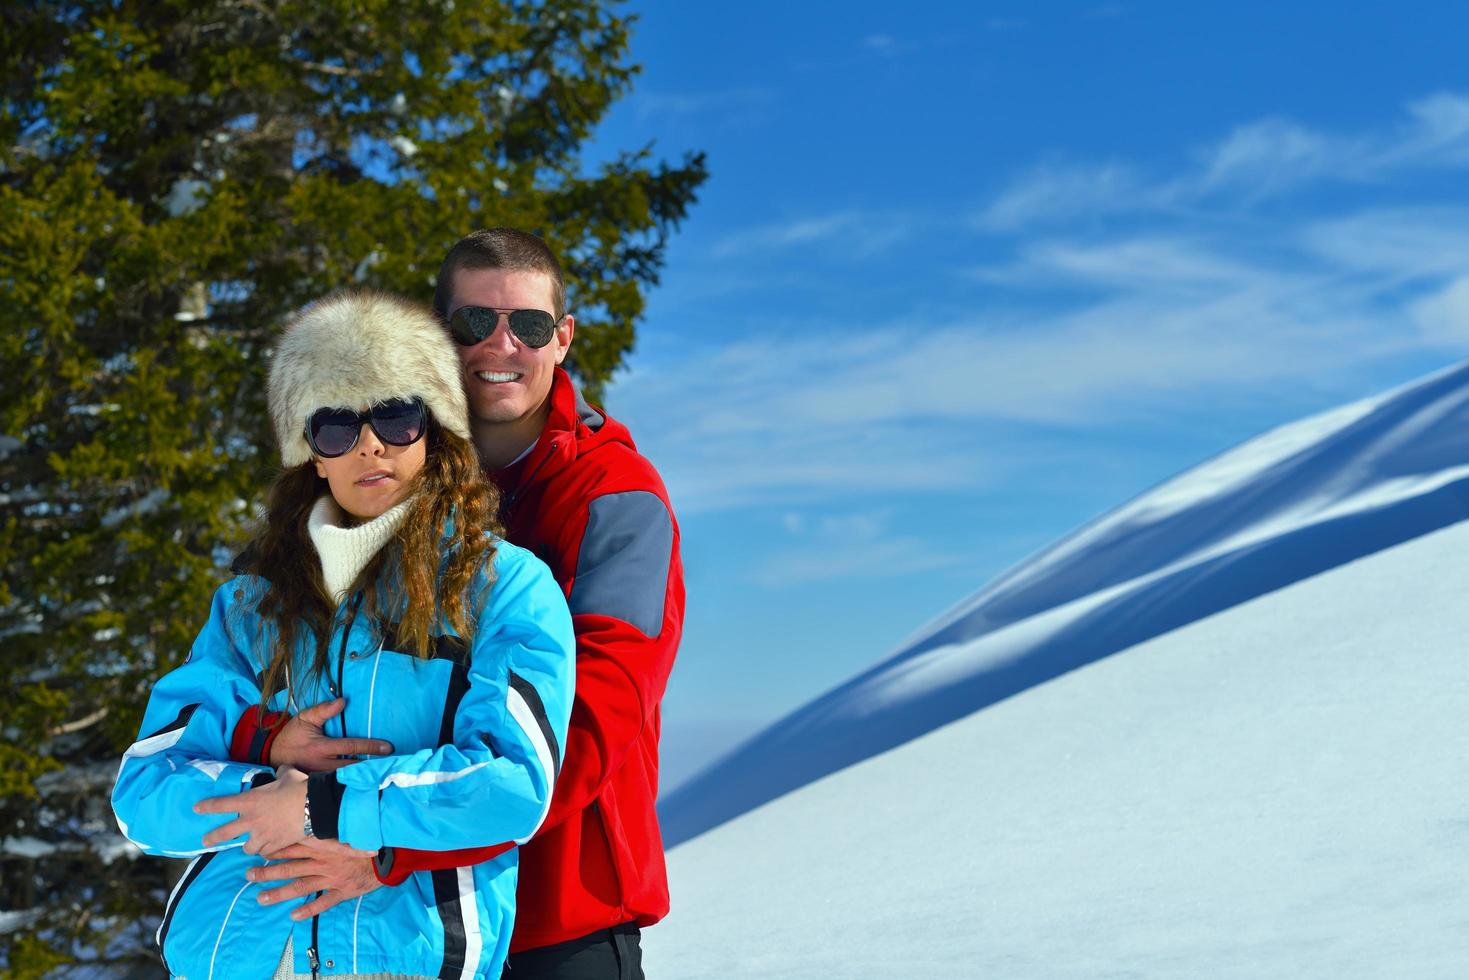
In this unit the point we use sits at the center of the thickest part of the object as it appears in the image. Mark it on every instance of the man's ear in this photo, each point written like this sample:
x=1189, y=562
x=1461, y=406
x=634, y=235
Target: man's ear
x=564, y=332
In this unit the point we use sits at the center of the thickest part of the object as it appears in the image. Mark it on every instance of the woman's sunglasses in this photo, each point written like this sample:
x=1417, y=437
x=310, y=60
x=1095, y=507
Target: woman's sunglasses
x=471, y=324
x=398, y=422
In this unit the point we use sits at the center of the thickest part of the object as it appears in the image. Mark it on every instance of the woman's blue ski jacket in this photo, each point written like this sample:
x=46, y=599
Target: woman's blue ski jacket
x=477, y=733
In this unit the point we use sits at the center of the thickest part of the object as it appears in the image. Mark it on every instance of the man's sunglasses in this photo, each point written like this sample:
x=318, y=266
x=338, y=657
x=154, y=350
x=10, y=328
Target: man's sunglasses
x=471, y=324
x=334, y=431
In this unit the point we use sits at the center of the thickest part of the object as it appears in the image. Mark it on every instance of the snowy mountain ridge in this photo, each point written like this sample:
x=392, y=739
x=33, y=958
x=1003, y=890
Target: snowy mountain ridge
x=1292, y=503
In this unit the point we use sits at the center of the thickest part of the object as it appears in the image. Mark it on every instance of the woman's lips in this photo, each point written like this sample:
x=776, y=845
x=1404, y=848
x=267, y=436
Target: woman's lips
x=374, y=478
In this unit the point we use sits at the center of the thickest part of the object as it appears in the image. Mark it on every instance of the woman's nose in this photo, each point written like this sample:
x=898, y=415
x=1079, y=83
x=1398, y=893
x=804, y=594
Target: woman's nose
x=368, y=444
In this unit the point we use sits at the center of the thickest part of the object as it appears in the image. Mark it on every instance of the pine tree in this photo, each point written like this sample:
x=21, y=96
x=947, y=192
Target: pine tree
x=175, y=178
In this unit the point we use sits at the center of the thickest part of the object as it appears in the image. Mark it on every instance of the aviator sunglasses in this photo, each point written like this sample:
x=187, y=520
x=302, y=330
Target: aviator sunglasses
x=471, y=324
x=397, y=422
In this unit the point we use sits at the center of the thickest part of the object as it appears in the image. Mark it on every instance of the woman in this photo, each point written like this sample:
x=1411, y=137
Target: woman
x=376, y=580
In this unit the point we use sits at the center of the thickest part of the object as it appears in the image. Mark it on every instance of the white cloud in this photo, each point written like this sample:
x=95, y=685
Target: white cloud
x=1438, y=132
x=886, y=558
x=1408, y=244
x=1269, y=156
x=1082, y=332
x=1055, y=192
x=838, y=545
x=888, y=46
x=800, y=232
x=1174, y=264
x=1260, y=159
x=1444, y=316
x=737, y=106
x=829, y=411
x=850, y=233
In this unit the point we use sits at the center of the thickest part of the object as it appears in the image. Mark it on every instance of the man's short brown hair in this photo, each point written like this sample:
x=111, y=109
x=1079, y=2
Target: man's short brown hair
x=500, y=248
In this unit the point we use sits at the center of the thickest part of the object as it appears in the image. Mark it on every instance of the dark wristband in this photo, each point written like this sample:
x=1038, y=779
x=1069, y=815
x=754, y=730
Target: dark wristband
x=382, y=864
x=255, y=733
x=324, y=800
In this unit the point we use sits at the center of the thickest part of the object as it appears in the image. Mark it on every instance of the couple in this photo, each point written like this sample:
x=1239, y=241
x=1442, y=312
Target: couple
x=385, y=695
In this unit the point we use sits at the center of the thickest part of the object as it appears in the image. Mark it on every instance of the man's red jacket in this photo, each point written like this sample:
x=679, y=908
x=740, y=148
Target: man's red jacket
x=597, y=513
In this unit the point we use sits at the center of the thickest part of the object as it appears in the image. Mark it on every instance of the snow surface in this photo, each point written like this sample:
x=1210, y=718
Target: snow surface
x=12, y=920
x=27, y=847
x=1278, y=509
x=1274, y=791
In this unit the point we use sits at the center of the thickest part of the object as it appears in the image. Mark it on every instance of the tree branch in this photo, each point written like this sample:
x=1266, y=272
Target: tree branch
x=331, y=69
x=86, y=721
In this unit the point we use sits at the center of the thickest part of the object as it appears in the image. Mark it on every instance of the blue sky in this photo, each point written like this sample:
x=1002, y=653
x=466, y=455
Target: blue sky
x=962, y=279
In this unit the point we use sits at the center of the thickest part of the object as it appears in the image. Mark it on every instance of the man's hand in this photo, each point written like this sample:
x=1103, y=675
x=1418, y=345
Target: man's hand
x=273, y=816
x=337, y=871
x=303, y=744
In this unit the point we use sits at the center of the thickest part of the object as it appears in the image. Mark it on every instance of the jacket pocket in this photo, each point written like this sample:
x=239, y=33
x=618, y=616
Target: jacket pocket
x=604, y=829
x=614, y=818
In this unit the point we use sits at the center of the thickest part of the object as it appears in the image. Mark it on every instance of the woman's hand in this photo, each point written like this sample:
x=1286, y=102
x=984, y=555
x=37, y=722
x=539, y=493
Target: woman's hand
x=330, y=867
x=304, y=744
x=272, y=816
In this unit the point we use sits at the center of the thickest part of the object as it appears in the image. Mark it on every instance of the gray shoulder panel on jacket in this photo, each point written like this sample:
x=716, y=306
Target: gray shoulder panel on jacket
x=622, y=568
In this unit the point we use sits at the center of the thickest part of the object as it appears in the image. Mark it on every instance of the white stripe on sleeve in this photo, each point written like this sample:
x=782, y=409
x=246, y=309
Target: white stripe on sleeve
x=526, y=719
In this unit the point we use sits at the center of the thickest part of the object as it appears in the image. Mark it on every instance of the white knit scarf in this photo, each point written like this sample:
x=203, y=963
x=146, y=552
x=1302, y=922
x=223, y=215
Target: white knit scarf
x=345, y=551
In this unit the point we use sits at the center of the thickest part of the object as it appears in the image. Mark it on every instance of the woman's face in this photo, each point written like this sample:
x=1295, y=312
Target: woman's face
x=372, y=476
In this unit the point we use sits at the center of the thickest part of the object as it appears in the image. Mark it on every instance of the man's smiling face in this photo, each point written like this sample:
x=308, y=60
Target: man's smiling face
x=506, y=381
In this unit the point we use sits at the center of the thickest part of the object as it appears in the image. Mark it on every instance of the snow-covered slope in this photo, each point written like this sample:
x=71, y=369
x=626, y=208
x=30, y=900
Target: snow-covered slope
x=1287, y=505
x=1275, y=791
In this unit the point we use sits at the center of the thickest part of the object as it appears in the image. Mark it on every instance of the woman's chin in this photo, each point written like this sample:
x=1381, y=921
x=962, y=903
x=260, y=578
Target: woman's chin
x=366, y=503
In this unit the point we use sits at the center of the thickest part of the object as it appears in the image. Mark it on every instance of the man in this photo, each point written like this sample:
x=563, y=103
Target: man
x=577, y=493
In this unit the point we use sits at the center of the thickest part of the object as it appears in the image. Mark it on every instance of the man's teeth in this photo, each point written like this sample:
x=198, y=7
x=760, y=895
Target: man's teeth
x=498, y=376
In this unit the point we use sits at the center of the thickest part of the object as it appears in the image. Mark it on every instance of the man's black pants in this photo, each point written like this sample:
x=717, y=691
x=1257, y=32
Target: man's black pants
x=608, y=954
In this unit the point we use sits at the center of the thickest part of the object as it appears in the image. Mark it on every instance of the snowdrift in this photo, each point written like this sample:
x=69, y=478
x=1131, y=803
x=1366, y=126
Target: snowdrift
x=1274, y=791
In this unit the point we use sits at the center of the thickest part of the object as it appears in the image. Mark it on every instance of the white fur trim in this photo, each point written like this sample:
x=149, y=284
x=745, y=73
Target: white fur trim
x=354, y=349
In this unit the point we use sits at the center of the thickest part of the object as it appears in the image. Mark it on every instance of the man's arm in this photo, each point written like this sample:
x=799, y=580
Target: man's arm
x=274, y=738
x=627, y=609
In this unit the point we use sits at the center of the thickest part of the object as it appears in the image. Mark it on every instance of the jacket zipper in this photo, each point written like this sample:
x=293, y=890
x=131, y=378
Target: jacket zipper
x=312, y=953
x=339, y=688
x=525, y=484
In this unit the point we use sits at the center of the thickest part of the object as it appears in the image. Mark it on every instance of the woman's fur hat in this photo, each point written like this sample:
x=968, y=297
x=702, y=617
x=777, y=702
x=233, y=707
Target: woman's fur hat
x=358, y=348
